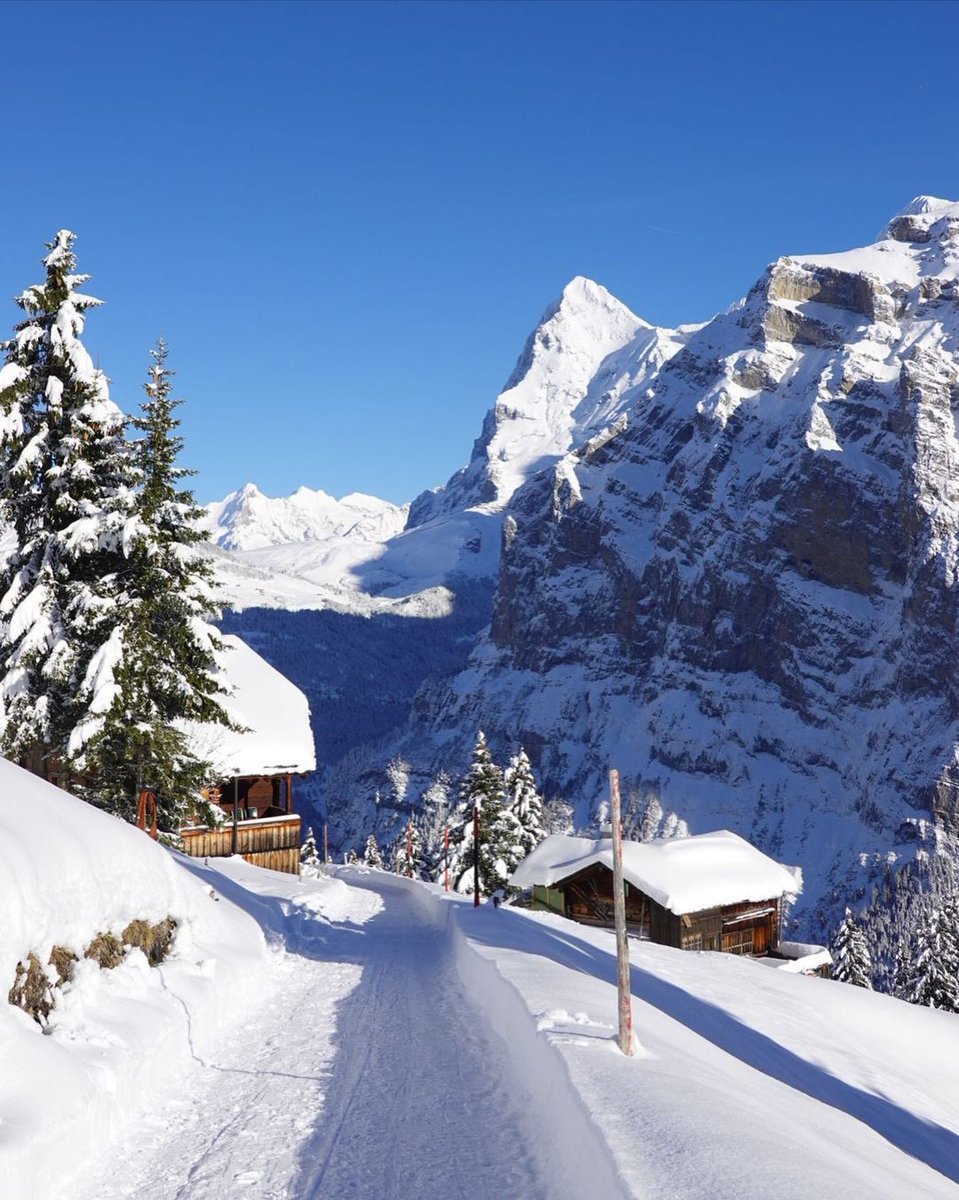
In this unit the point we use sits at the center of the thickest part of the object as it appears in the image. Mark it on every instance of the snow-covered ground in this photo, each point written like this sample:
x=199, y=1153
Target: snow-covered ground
x=365, y=1036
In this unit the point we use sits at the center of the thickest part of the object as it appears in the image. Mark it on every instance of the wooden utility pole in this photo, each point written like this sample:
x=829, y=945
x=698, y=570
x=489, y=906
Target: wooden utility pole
x=476, y=854
x=326, y=844
x=619, y=913
x=446, y=856
x=236, y=791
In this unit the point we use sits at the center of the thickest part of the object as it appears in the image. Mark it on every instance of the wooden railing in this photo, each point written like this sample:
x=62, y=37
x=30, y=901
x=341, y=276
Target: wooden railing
x=271, y=842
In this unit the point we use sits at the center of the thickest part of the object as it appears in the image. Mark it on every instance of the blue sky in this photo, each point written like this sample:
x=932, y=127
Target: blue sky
x=346, y=218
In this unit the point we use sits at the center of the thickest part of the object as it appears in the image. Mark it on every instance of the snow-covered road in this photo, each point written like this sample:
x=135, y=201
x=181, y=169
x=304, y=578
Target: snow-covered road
x=420, y=1102
x=371, y=1073
x=408, y=1047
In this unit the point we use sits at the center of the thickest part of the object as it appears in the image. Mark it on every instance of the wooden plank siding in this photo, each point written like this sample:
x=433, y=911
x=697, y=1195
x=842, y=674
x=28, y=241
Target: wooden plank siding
x=273, y=842
x=748, y=927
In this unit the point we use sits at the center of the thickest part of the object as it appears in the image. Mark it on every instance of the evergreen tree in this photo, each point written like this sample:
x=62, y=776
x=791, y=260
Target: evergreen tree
x=434, y=819
x=851, y=962
x=558, y=816
x=934, y=976
x=524, y=801
x=372, y=856
x=398, y=773
x=161, y=665
x=309, y=855
x=500, y=848
x=652, y=819
x=67, y=483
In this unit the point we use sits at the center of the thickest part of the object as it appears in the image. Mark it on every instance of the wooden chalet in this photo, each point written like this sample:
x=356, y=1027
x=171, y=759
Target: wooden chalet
x=710, y=892
x=255, y=764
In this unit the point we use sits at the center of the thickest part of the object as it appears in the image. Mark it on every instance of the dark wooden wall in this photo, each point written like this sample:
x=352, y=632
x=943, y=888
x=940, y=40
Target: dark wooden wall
x=749, y=927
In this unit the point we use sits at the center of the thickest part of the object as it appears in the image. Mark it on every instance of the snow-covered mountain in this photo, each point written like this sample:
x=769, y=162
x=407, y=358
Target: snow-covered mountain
x=586, y=349
x=361, y=615
x=744, y=592
x=248, y=520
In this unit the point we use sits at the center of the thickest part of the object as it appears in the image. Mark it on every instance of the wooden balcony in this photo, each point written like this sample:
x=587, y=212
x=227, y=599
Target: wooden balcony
x=272, y=842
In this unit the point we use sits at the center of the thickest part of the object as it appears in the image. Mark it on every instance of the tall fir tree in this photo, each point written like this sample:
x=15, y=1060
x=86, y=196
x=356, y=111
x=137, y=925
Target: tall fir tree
x=67, y=485
x=524, y=801
x=500, y=844
x=161, y=662
x=851, y=962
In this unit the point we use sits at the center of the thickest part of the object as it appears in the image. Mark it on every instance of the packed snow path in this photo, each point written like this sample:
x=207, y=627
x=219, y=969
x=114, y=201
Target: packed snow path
x=422, y=1105
x=372, y=1075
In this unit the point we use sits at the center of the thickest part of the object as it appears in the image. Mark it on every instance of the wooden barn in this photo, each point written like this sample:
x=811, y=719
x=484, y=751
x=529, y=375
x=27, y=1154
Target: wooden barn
x=710, y=892
x=255, y=764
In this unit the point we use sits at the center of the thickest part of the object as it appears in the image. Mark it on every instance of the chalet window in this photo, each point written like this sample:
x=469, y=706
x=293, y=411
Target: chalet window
x=738, y=941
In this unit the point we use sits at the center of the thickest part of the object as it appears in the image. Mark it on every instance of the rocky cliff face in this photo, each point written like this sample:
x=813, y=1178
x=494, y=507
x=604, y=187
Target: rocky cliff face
x=743, y=593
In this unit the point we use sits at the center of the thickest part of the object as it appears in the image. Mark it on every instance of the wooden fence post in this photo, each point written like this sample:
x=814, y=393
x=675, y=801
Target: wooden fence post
x=619, y=913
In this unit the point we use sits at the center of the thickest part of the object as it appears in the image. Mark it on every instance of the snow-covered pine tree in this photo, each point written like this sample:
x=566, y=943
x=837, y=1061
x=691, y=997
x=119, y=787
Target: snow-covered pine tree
x=650, y=826
x=500, y=849
x=398, y=773
x=434, y=818
x=67, y=482
x=524, y=801
x=851, y=962
x=309, y=855
x=934, y=975
x=372, y=856
x=160, y=666
x=558, y=816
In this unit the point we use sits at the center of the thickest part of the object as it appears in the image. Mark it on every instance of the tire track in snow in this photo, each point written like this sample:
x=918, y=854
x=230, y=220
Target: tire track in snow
x=373, y=1076
x=423, y=1100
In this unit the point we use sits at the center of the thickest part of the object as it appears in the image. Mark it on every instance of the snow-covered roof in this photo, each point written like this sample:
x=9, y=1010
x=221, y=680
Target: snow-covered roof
x=274, y=711
x=684, y=875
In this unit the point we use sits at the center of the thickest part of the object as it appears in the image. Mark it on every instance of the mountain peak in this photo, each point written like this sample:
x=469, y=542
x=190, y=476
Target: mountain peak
x=923, y=205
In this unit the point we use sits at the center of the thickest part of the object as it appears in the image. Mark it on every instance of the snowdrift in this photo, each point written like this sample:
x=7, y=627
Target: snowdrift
x=115, y=1037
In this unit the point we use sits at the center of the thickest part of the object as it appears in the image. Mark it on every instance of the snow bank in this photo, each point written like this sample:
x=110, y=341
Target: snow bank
x=748, y=1083
x=685, y=875
x=116, y=1037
